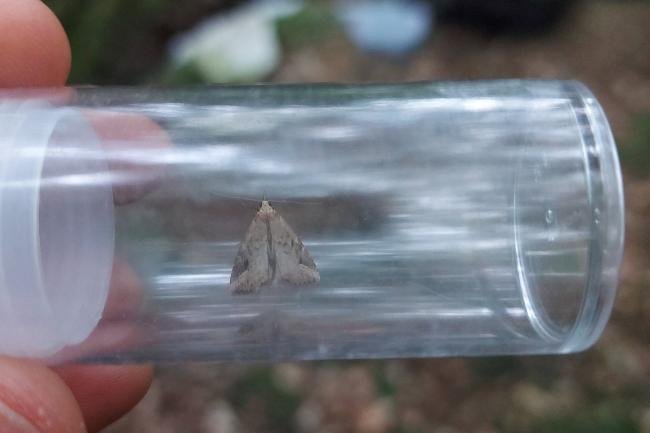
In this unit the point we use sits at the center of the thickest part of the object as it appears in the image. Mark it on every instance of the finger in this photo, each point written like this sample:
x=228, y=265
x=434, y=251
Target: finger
x=34, y=49
x=121, y=326
x=125, y=294
x=105, y=393
x=130, y=141
x=34, y=399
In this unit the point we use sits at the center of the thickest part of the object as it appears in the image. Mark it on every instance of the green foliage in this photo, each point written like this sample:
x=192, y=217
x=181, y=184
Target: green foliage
x=184, y=75
x=635, y=154
x=101, y=30
x=312, y=24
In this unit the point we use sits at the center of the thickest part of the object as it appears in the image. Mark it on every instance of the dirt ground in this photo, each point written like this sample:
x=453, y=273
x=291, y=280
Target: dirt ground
x=605, y=389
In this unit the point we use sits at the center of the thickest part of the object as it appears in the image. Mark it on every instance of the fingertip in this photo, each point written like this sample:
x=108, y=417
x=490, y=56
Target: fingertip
x=34, y=398
x=34, y=48
x=105, y=392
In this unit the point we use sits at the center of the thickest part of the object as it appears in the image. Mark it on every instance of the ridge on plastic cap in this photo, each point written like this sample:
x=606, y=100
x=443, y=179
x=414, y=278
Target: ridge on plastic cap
x=56, y=240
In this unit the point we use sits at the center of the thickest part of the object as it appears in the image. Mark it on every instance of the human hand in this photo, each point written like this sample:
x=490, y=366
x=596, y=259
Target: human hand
x=34, y=51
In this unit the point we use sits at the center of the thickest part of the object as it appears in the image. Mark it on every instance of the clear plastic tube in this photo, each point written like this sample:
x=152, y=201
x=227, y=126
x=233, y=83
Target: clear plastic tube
x=443, y=219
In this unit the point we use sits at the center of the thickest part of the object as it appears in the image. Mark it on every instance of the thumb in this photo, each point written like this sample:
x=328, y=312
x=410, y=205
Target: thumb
x=33, y=399
x=33, y=46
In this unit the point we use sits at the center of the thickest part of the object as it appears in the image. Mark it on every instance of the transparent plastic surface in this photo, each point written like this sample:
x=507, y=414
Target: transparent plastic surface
x=444, y=219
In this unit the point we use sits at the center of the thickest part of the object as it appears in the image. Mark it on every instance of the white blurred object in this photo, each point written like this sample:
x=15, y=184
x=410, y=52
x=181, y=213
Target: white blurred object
x=238, y=46
x=386, y=26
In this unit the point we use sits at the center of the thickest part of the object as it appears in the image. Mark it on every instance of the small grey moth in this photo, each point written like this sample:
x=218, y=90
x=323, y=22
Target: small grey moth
x=271, y=255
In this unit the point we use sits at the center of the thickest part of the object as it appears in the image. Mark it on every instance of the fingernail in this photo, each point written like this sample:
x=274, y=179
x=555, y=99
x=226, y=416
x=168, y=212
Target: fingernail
x=13, y=422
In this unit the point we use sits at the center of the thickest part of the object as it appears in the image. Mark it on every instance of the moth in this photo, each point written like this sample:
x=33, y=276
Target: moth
x=271, y=255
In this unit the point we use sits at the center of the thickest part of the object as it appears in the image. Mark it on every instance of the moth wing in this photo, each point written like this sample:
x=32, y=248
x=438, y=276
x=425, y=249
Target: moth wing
x=301, y=276
x=241, y=263
x=251, y=268
x=294, y=264
x=305, y=257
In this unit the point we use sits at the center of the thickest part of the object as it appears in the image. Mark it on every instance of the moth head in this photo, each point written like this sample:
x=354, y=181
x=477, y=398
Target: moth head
x=265, y=207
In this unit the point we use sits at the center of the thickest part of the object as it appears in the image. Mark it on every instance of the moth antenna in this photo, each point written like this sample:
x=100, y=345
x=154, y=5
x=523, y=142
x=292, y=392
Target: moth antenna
x=296, y=201
x=238, y=197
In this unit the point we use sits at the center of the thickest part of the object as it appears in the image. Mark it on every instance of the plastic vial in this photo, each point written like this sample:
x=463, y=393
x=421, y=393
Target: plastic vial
x=444, y=219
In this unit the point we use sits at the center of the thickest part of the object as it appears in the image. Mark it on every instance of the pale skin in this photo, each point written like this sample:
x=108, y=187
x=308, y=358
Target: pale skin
x=34, y=51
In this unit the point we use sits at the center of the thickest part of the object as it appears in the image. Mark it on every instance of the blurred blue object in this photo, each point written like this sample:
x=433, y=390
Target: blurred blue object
x=392, y=27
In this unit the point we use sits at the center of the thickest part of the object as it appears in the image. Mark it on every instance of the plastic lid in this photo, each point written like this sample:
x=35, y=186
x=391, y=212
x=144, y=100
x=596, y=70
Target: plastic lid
x=56, y=228
x=569, y=282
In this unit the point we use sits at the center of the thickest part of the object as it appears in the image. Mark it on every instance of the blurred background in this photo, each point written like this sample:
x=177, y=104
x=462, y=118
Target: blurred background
x=605, y=44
